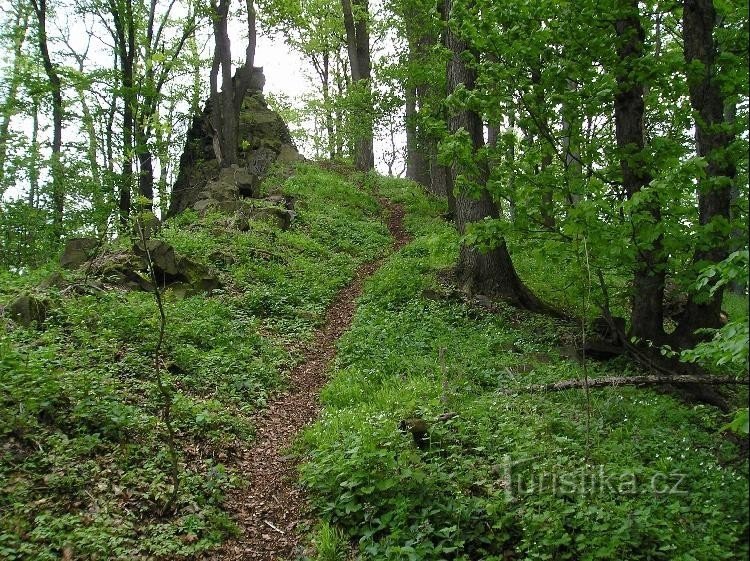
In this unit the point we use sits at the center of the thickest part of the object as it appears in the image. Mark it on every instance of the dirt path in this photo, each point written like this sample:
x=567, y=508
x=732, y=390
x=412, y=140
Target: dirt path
x=271, y=510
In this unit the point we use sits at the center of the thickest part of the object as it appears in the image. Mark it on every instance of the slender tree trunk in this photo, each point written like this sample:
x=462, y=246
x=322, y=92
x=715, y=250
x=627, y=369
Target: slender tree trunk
x=713, y=135
x=416, y=159
x=58, y=188
x=739, y=236
x=486, y=272
x=570, y=144
x=145, y=169
x=20, y=27
x=648, y=282
x=358, y=48
x=325, y=80
x=548, y=205
x=125, y=39
x=35, y=154
x=340, y=81
x=545, y=191
x=195, y=61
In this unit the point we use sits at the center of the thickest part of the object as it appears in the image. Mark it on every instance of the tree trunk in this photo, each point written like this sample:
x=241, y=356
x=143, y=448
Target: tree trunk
x=58, y=188
x=647, y=318
x=358, y=48
x=416, y=159
x=125, y=39
x=34, y=160
x=713, y=135
x=486, y=272
x=570, y=144
x=325, y=80
x=145, y=169
x=546, y=196
x=20, y=27
x=226, y=104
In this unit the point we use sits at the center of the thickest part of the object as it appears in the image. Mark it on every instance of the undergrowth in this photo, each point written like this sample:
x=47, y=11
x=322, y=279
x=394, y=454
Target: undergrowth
x=82, y=467
x=512, y=476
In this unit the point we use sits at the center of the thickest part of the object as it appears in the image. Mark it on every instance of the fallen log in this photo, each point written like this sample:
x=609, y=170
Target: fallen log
x=638, y=381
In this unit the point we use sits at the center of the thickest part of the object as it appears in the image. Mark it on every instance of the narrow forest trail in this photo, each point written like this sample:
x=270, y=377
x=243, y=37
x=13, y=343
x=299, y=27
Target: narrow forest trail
x=271, y=510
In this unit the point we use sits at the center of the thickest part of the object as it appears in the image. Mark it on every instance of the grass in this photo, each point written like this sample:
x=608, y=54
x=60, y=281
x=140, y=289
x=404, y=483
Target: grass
x=82, y=462
x=633, y=475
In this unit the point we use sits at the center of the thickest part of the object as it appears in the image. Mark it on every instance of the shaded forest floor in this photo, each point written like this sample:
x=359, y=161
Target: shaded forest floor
x=627, y=474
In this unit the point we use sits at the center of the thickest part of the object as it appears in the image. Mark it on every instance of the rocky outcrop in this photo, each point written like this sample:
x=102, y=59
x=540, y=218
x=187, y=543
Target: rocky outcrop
x=27, y=310
x=128, y=268
x=77, y=251
x=263, y=139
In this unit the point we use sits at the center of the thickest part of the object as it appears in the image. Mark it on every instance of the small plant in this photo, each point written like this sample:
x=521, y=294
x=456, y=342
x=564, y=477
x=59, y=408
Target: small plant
x=166, y=393
x=330, y=543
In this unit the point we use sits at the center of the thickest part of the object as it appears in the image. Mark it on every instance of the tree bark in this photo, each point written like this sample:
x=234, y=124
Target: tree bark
x=58, y=188
x=713, y=136
x=647, y=318
x=358, y=48
x=34, y=162
x=571, y=146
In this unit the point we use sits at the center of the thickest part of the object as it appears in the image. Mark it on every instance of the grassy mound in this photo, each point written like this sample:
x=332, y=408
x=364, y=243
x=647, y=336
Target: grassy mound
x=82, y=460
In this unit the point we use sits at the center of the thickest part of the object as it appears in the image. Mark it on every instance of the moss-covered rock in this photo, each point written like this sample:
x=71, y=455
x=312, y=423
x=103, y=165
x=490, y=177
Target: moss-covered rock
x=27, y=310
x=263, y=139
x=77, y=251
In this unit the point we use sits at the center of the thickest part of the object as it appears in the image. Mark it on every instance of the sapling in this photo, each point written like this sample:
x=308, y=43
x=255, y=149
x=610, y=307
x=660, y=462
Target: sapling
x=164, y=391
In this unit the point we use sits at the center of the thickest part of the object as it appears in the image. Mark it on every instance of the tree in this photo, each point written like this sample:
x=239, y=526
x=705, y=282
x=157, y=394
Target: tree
x=18, y=29
x=713, y=136
x=489, y=271
x=225, y=104
x=647, y=316
x=356, y=24
x=50, y=68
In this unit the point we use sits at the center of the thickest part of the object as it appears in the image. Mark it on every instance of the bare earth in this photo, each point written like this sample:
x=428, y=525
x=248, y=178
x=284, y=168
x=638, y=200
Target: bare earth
x=271, y=511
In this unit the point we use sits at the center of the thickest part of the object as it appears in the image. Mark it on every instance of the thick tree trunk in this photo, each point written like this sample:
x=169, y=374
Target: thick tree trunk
x=713, y=135
x=486, y=272
x=648, y=282
x=58, y=188
x=358, y=48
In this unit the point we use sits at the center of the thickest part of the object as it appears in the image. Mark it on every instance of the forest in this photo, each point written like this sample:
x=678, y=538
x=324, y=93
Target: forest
x=336, y=280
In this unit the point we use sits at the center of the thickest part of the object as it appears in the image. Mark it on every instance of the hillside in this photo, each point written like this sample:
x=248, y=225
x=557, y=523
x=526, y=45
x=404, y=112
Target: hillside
x=627, y=473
